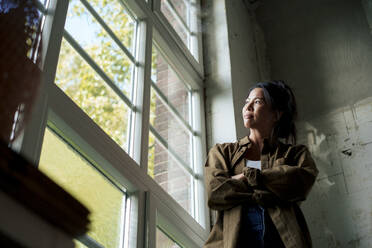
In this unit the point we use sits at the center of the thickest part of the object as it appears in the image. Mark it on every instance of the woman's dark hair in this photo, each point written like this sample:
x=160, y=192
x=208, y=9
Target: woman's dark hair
x=281, y=99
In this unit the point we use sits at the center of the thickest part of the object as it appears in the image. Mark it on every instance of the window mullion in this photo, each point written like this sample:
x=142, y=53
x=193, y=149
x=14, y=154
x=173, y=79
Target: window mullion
x=171, y=108
x=150, y=220
x=51, y=35
x=41, y=7
x=200, y=148
x=143, y=94
x=140, y=130
x=124, y=221
x=109, y=31
x=98, y=69
x=173, y=154
x=89, y=242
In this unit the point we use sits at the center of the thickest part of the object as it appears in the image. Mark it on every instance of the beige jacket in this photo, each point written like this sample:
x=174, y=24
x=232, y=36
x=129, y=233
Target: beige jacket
x=288, y=173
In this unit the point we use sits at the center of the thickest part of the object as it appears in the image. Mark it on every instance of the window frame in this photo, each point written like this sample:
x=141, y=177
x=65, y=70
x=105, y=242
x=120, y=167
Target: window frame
x=169, y=222
x=194, y=50
x=128, y=169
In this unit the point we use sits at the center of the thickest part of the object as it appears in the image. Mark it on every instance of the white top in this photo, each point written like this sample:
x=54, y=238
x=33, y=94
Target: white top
x=253, y=164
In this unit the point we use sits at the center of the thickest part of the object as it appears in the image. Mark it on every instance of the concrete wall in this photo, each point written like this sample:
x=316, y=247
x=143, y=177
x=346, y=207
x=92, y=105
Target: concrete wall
x=339, y=208
x=323, y=48
x=218, y=93
x=232, y=65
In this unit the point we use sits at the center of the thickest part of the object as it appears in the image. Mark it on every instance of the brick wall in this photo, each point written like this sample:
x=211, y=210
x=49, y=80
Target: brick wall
x=167, y=172
x=181, y=9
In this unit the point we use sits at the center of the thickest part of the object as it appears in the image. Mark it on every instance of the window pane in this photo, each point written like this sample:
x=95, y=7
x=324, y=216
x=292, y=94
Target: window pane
x=170, y=84
x=162, y=240
x=67, y=168
x=118, y=19
x=99, y=45
x=83, y=85
x=170, y=129
x=169, y=174
x=169, y=13
x=179, y=6
x=45, y=2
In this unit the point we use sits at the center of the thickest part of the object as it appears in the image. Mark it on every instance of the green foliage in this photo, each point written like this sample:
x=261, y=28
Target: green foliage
x=151, y=150
x=91, y=93
x=83, y=85
x=79, y=178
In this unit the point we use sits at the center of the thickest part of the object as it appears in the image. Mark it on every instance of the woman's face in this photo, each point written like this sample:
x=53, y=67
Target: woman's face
x=257, y=114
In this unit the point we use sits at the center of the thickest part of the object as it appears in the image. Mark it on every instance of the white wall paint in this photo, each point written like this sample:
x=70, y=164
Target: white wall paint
x=234, y=62
x=245, y=69
x=339, y=208
x=324, y=49
x=219, y=107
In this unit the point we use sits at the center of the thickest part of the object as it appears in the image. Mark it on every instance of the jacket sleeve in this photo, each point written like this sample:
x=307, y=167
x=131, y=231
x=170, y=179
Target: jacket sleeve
x=223, y=191
x=292, y=182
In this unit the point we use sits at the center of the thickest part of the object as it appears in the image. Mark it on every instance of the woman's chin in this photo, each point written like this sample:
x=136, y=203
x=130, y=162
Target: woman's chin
x=247, y=125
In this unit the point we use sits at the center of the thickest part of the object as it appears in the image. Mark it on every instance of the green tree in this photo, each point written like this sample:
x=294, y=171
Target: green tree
x=85, y=87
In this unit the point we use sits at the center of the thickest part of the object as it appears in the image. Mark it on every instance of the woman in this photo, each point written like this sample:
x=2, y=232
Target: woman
x=257, y=183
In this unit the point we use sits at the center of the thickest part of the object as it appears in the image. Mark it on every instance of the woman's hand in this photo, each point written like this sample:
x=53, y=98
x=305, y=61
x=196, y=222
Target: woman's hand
x=238, y=176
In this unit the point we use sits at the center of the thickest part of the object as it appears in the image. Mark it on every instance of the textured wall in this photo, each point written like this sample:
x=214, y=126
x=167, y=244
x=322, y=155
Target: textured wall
x=232, y=59
x=324, y=49
x=339, y=208
x=220, y=120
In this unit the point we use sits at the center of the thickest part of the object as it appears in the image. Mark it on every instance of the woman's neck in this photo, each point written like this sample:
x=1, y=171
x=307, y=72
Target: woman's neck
x=254, y=151
x=257, y=138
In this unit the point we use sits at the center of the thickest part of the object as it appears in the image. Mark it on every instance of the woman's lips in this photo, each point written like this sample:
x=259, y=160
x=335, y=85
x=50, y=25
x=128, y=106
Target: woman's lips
x=248, y=116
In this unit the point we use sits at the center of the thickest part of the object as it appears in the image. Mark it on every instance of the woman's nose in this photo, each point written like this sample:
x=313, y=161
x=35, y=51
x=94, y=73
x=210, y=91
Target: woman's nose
x=249, y=106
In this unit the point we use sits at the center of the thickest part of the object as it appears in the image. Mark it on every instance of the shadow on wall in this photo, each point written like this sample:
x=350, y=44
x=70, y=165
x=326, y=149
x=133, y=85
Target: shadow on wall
x=338, y=209
x=323, y=48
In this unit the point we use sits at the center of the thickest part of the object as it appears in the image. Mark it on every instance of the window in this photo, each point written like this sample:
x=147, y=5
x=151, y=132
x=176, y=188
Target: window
x=96, y=64
x=182, y=18
x=176, y=13
x=170, y=140
x=163, y=241
x=105, y=200
x=120, y=117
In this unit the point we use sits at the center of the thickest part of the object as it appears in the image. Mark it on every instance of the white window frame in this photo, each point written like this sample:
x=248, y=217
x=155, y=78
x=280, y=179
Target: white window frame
x=196, y=48
x=165, y=218
x=129, y=170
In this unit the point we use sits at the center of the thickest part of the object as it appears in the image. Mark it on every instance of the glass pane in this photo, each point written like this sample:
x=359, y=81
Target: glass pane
x=170, y=84
x=162, y=240
x=118, y=19
x=80, y=82
x=67, y=168
x=180, y=29
x=170, y=129
x=45, y=2
x=99, y=45
x=169, y=174
x=179, y=6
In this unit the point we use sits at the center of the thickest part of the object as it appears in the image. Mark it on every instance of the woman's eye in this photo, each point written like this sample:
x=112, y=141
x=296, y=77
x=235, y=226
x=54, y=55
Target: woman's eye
x=258, y=101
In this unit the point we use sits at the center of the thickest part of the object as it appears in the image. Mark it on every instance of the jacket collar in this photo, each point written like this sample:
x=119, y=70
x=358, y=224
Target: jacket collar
x=244, y=141
x=267, y=148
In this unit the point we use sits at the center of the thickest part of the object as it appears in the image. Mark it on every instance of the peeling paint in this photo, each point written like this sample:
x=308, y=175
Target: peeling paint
x=343, y=191
x=347, y=152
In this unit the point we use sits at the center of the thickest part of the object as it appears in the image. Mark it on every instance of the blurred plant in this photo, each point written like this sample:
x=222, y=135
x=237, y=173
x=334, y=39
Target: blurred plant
x=20, y=75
